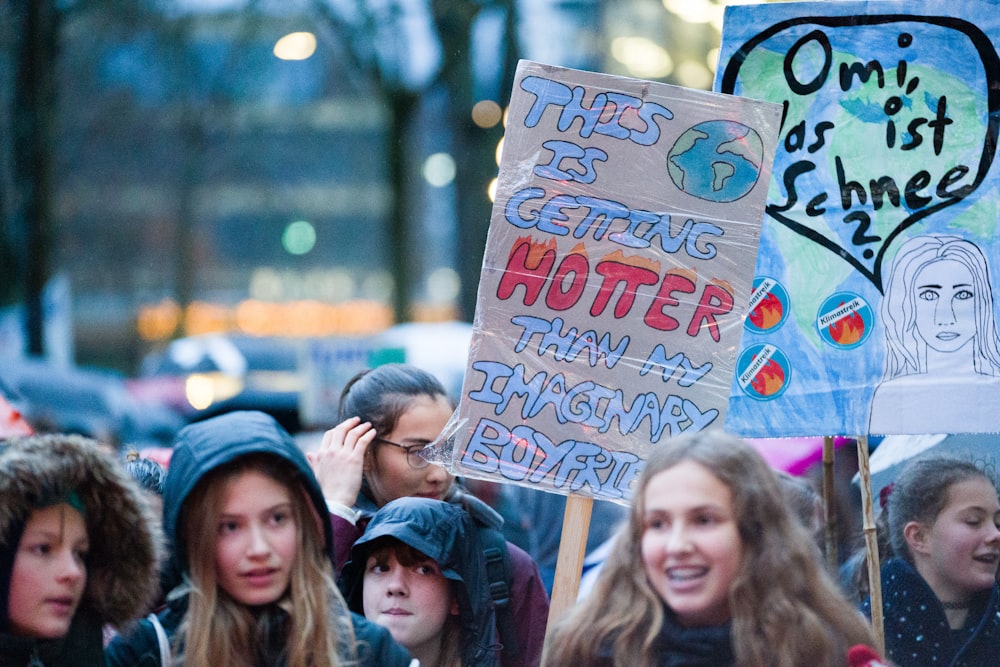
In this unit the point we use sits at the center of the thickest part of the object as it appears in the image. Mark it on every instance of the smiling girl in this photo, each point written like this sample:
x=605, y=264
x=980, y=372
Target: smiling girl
x=77, y=551
x=710, y=569
x=939, y=591
x=248, y=527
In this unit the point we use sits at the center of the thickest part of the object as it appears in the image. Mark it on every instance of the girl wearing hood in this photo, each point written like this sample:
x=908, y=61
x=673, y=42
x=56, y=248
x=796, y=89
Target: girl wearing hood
x=419, y=571
x=247, y=528
x=77, y=551
x=389, y=414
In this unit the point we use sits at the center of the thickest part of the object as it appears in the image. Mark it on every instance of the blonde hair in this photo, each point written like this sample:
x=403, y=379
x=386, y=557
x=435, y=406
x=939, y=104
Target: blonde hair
x=786, y=609
x=218, y=630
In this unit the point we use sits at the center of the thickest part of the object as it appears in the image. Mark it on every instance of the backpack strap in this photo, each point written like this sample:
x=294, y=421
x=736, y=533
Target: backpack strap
x=161, y=639
x=499, y=579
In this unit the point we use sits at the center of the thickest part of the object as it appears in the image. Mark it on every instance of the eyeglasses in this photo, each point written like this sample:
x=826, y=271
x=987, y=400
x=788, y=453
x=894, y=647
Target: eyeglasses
x=413, y=457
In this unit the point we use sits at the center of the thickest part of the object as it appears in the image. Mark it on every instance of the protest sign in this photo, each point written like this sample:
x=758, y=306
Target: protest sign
x=872, y=296
x=615, y=280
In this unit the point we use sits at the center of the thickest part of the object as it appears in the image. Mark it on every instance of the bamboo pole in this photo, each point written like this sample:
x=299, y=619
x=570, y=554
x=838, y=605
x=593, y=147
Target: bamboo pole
x=871, y=545
x=829, y=505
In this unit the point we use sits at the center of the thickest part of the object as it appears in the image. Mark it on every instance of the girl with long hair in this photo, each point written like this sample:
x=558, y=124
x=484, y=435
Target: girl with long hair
x=249, y=531
x=710, y=569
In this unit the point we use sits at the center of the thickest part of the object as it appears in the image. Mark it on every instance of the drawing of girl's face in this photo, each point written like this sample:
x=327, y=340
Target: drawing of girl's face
x=945, y=298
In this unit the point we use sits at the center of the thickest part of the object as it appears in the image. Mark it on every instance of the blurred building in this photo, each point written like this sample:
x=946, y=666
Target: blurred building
x=228, y=165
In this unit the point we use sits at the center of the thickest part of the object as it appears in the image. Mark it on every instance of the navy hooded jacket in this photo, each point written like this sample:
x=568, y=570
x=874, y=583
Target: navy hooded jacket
x=199, y=449
x=447, y=534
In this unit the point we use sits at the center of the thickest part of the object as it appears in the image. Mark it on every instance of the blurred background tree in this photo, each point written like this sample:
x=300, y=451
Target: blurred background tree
x=274, y=167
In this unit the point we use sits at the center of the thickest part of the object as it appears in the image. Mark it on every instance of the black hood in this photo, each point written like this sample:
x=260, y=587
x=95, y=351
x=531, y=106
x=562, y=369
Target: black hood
x=202, y=447
x=446, y=533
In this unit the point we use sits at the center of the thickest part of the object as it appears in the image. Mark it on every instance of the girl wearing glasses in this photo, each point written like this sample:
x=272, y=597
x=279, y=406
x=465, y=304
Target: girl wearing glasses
x=388, y=414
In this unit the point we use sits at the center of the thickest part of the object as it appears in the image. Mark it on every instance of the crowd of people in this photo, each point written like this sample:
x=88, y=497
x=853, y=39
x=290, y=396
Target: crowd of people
x=249, y=551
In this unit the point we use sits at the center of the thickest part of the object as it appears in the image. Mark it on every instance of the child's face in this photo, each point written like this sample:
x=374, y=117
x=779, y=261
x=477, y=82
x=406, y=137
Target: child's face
x=257, y=539
x=49, y=573
x=961, y=549
x=389, y=474
x=691, y=547
x=413, y=602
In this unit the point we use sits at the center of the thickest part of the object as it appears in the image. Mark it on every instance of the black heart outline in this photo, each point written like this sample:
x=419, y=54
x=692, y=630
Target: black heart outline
x=991, y=63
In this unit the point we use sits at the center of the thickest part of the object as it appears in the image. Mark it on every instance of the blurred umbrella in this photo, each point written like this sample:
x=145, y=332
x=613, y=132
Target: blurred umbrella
x=896, y=451
x=793, y=455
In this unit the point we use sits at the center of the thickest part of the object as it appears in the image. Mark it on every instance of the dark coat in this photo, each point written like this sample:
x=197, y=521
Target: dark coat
x=140, y=649
x=447, y=535
x=123, y=533
x=916, y=629
x=678, y=646
x=199, y=449
x=529, y=602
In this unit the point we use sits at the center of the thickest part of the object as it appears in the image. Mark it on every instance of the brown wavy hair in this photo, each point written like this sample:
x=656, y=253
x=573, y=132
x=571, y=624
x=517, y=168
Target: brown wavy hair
x=786, y=609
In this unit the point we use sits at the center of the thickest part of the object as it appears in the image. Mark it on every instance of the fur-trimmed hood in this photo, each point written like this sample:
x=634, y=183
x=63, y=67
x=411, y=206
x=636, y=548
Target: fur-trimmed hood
x=123, y=531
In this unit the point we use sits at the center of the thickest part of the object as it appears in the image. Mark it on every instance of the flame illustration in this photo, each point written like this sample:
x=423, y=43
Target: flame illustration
x=768, y=312
x=536, y=250
x=770, y=379
x=847, y=330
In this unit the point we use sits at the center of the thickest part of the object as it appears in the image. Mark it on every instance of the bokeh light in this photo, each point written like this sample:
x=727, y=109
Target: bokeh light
x=299, y=237
x=486, y=113
x=295, y=46
x=439, y=169
x=643, y=57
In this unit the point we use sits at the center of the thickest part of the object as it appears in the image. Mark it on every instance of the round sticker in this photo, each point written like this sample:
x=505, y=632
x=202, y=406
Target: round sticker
x=763, y=372
x=768, y=305
x=845, y=320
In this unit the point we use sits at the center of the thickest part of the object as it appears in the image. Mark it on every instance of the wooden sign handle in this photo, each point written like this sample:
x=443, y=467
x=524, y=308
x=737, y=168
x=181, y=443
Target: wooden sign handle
x=572, y=549
x=871, y=545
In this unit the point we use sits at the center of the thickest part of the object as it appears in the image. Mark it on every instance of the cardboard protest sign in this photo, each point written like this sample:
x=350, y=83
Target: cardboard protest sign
x=873, y=295
x=615, y=278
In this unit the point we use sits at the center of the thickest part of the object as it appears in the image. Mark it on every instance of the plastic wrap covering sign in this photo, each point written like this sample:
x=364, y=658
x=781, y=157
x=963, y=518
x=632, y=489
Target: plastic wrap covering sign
x=873, y=293
x=615, y=278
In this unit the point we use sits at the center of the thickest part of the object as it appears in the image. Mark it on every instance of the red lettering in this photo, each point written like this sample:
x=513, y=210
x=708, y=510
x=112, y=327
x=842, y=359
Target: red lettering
x=576, y=265
x=715, y=300
x=519, y=270
x=616, y=273
x=655, y=316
